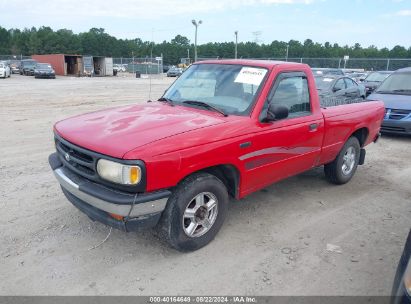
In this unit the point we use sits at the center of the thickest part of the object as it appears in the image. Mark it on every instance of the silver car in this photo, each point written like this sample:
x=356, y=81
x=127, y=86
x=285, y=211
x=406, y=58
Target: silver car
x=4, y=70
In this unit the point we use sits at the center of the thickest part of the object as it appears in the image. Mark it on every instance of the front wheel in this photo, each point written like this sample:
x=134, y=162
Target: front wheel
x=195, y=212
x=342, y=169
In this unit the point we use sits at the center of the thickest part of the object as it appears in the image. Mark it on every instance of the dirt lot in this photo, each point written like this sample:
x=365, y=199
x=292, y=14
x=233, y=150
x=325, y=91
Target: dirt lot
x=273, y=242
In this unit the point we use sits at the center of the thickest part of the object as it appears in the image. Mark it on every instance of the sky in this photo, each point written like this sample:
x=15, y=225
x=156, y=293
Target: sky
x=383, y=23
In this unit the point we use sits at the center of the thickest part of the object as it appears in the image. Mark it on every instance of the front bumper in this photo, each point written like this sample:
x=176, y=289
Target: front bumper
x=44, y=75
x=97, y=201
x=396, y=126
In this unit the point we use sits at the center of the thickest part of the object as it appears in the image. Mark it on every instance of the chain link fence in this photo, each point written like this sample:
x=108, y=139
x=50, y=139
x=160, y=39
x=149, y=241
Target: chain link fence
x=143, y=65
x=13, y=57
x=367, y=64
x=154, y=65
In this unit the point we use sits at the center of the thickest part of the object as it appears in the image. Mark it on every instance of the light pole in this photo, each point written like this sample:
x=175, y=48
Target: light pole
x=196, y=24
x=286, y=54
x=236, y=41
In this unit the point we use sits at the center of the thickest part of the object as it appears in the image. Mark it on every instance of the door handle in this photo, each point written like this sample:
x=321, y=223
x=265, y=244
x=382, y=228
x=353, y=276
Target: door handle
x=313, y=127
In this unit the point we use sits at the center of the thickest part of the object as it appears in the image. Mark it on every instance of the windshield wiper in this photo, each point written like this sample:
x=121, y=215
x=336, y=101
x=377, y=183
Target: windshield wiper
x=205, y=105
x=167, y=100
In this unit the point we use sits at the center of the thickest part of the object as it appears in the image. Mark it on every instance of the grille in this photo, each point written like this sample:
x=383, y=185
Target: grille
x=392, y=129
x=395, y=114
x=83, y=162
x=76, y=159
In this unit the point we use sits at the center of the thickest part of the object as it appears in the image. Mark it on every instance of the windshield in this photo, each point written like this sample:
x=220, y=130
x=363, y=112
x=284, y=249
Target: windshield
x=43, y=66
x=29, y=64
x=378, y=77
x=323, y=83
x=318, y=72
x=397, y=82
x=231, y=88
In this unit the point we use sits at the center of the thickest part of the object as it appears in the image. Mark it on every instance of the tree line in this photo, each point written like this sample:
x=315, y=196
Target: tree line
x=96, y=41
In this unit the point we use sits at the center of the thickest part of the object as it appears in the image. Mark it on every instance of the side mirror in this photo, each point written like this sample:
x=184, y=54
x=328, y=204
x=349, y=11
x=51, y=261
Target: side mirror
x=336, y=89
x=276, y=112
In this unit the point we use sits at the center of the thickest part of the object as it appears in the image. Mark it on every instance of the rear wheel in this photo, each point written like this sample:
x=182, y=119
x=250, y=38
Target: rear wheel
x=343, y=168
x=195, y=212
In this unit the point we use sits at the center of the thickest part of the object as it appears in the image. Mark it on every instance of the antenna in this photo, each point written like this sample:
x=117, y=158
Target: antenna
x=151, y=61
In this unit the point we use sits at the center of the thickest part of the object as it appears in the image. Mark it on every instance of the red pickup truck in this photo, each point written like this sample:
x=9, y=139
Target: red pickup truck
x=223, y=129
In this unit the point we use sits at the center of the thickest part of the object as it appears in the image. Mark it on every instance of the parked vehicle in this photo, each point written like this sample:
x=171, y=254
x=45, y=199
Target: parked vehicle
x=224, y=128
x=338, y=87
x=44, y=70
x=395, y=92
x=14, y=66
x=4, y=70
x=119, y=68
x=374, y=79
x=401, y=289
x=327, y=71
x=15, y=69
x=358, y=77
x=27, y=67
x=174, y=72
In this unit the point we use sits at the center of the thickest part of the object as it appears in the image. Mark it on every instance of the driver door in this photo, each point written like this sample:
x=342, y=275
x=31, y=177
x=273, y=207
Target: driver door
x=284, y=147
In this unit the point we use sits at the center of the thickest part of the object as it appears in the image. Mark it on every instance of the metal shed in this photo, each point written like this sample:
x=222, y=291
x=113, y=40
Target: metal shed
x=97, y=66
x=63, y=64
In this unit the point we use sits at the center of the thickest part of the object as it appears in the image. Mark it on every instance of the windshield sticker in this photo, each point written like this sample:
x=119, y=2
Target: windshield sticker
x=251, y=76
x=328, y=79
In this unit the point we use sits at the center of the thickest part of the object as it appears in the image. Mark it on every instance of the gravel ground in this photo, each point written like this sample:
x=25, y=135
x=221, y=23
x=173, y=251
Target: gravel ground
x=274, y=242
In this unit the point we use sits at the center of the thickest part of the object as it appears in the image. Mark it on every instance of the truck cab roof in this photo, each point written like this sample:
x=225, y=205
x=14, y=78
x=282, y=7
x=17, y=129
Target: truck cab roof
x=260, y=63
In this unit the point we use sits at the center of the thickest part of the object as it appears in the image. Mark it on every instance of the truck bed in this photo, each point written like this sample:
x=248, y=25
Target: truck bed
x=341, y=120
x=339, y=101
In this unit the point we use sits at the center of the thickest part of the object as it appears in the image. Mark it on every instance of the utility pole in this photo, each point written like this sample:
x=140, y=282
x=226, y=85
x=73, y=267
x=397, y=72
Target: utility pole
x=236, y=42
x=132, y=54
x=196, y=24
x=286, y=54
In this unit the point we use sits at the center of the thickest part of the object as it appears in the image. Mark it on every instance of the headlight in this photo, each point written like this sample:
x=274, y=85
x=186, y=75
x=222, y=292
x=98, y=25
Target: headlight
x=52, y=71
x=119, y=173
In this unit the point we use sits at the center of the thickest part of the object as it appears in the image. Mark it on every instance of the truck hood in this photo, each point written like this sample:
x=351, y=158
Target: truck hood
x=116, y=131
x=393, y=101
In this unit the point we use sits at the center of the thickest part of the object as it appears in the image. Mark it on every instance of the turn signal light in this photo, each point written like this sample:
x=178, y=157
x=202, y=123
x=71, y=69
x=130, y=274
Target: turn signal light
x=134, y=175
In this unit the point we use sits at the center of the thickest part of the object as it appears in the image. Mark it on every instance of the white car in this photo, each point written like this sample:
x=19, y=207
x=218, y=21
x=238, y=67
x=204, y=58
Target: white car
x=4, y=70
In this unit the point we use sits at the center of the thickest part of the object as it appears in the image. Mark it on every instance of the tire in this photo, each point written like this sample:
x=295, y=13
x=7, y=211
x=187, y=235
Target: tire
x=175, y=226
x=343, y=168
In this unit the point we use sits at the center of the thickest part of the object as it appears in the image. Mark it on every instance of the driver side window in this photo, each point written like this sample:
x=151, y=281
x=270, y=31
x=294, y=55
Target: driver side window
x=292, y=92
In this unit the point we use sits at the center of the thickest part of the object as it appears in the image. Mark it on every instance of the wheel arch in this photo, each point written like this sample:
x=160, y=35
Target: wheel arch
x=361, y=134
x=227, y=173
